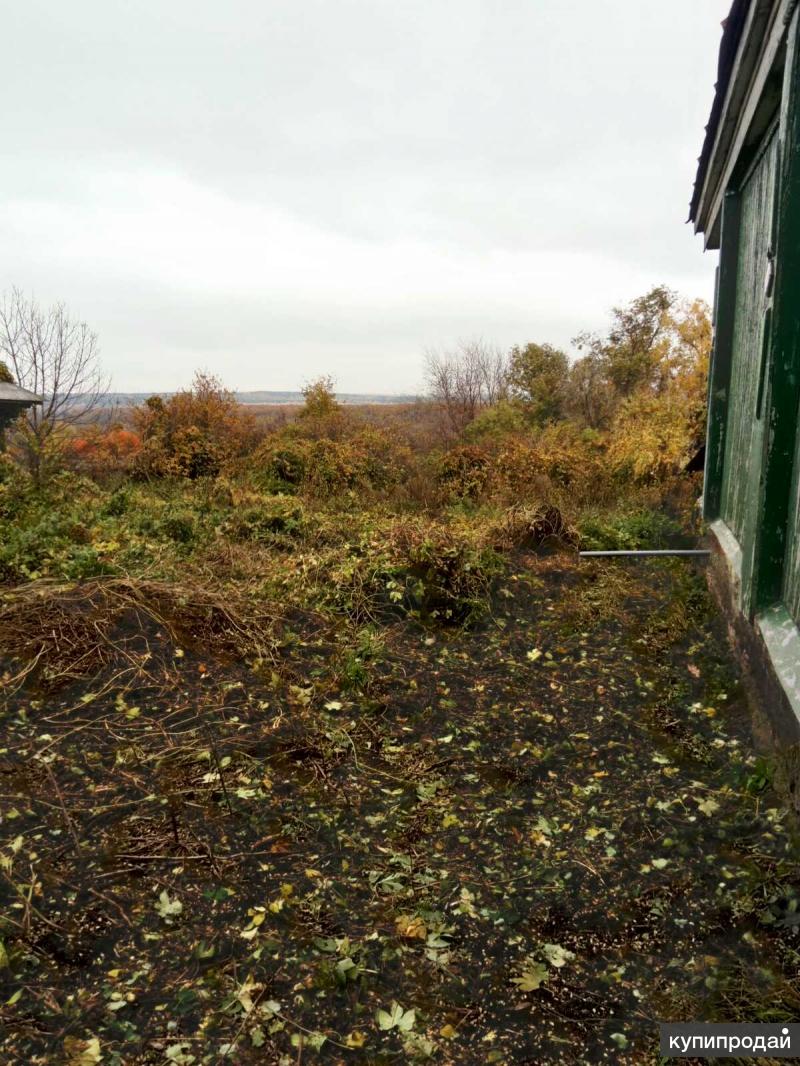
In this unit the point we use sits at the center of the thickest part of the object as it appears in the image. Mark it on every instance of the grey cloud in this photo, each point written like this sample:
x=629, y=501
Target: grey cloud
x=558, y=126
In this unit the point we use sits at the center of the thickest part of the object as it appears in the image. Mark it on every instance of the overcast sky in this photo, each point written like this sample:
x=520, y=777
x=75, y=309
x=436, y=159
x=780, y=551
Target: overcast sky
x=274, y=189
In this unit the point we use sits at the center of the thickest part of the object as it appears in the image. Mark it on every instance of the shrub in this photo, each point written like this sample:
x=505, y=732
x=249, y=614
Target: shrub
x=268, y=522
x=192, y=434
x=168, y=524
x=180, y=528
x=652, y=436
x=627, y=531
x=442, y=576
x=50, y=543
x=505, y=419
x=463, y=472
x=531, y=527
x=289, y=465
x=16, y=488
x=562, y=456
x=117, y=504
x=368, y=460
x=98, y=453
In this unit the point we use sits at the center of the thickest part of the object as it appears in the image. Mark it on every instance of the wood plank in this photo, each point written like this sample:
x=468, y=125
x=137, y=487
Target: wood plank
x=720, y=372
x=782, y=390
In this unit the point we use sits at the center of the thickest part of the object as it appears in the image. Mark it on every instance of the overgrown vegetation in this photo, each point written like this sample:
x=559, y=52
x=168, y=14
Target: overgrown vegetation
x=322, y=745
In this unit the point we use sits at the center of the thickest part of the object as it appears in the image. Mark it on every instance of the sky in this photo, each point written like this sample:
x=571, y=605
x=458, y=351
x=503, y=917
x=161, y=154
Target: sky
x=272, y=190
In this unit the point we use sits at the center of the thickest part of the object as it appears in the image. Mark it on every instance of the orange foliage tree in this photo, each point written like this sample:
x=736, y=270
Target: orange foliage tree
x=98, y=452
x=193, y=433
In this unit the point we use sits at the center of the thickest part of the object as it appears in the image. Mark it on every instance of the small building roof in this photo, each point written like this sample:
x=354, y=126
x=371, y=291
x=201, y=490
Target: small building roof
x=10, y=393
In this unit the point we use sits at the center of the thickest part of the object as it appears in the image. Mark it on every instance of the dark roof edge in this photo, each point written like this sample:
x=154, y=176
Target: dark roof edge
x=11, y=393
x=733, y=27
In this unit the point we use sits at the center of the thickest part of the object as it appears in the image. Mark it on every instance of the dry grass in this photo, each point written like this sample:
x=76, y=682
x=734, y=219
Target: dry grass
x=61, y=633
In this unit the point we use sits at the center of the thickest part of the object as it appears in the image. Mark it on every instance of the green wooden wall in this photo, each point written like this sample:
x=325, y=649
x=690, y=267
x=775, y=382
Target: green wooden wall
x=791, y=576
x=744, y=436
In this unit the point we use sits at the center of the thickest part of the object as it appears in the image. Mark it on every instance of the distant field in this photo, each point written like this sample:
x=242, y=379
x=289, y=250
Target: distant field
x=260, y=397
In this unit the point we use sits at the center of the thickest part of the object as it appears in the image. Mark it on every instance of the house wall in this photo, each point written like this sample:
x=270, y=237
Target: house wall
x=791, y=577
x=745, y=429
x=752, y=492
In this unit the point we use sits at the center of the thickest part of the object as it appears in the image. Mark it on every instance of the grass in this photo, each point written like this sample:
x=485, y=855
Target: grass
x=284, y=781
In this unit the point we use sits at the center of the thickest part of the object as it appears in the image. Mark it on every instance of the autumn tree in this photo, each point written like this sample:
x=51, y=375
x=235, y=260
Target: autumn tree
x=193, y=433
x=465, y=380
x=320, y=399
x=657, y=429
x=538, y=375
x=630, y=355
x=589, y=396
x=55, y=356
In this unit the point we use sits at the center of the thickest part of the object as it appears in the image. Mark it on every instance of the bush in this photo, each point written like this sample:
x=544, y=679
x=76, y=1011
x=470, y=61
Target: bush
x=652, y=437
x=192, y=434
x=50, y=543
x=16, y=488
x=180, y=527
x=368, y=460
x=441, y=576
x=627, y=531
x=533, y=527
x=562, y=456
x=463, y=472
x=98, y=452
x=117, y=504
x=268, y=522
x=505, y=419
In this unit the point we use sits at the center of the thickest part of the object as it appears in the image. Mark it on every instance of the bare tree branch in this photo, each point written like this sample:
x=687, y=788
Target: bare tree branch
x=57, y=357
x=465, y=380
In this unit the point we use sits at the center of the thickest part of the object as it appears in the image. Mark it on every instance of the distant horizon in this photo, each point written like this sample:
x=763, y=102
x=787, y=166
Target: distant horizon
x=279, y=397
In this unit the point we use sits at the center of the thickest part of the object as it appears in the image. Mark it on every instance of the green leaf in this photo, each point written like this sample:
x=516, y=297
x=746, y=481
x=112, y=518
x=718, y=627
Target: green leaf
x=396, y=1018
x=557, y=956
x=532, y=976
x=168, y=908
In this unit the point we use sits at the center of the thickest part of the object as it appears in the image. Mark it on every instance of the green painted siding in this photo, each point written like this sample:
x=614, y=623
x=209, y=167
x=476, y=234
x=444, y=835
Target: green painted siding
x=744, y=437
x=791, y=579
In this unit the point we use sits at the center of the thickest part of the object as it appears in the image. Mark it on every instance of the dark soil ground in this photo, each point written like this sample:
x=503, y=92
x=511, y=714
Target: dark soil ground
x=524, y=842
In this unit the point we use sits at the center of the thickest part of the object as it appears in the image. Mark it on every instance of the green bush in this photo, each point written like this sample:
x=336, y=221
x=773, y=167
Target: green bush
x=180, y=527
x=503, y=420
x=264, y=523
x=16, y=489
x=368, y=460
x=50, y=544
x=463, y=472
x=117, y=504
x=627, y=531
x=442, y=576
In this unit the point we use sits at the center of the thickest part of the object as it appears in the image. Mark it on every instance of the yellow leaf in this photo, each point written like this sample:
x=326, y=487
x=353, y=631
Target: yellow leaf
x=411, y=927
x=82, y=1052
x=355, y=1039
x=448, y=1032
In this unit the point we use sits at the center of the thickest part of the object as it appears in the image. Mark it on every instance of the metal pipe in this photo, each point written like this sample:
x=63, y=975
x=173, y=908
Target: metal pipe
x=691, y=553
